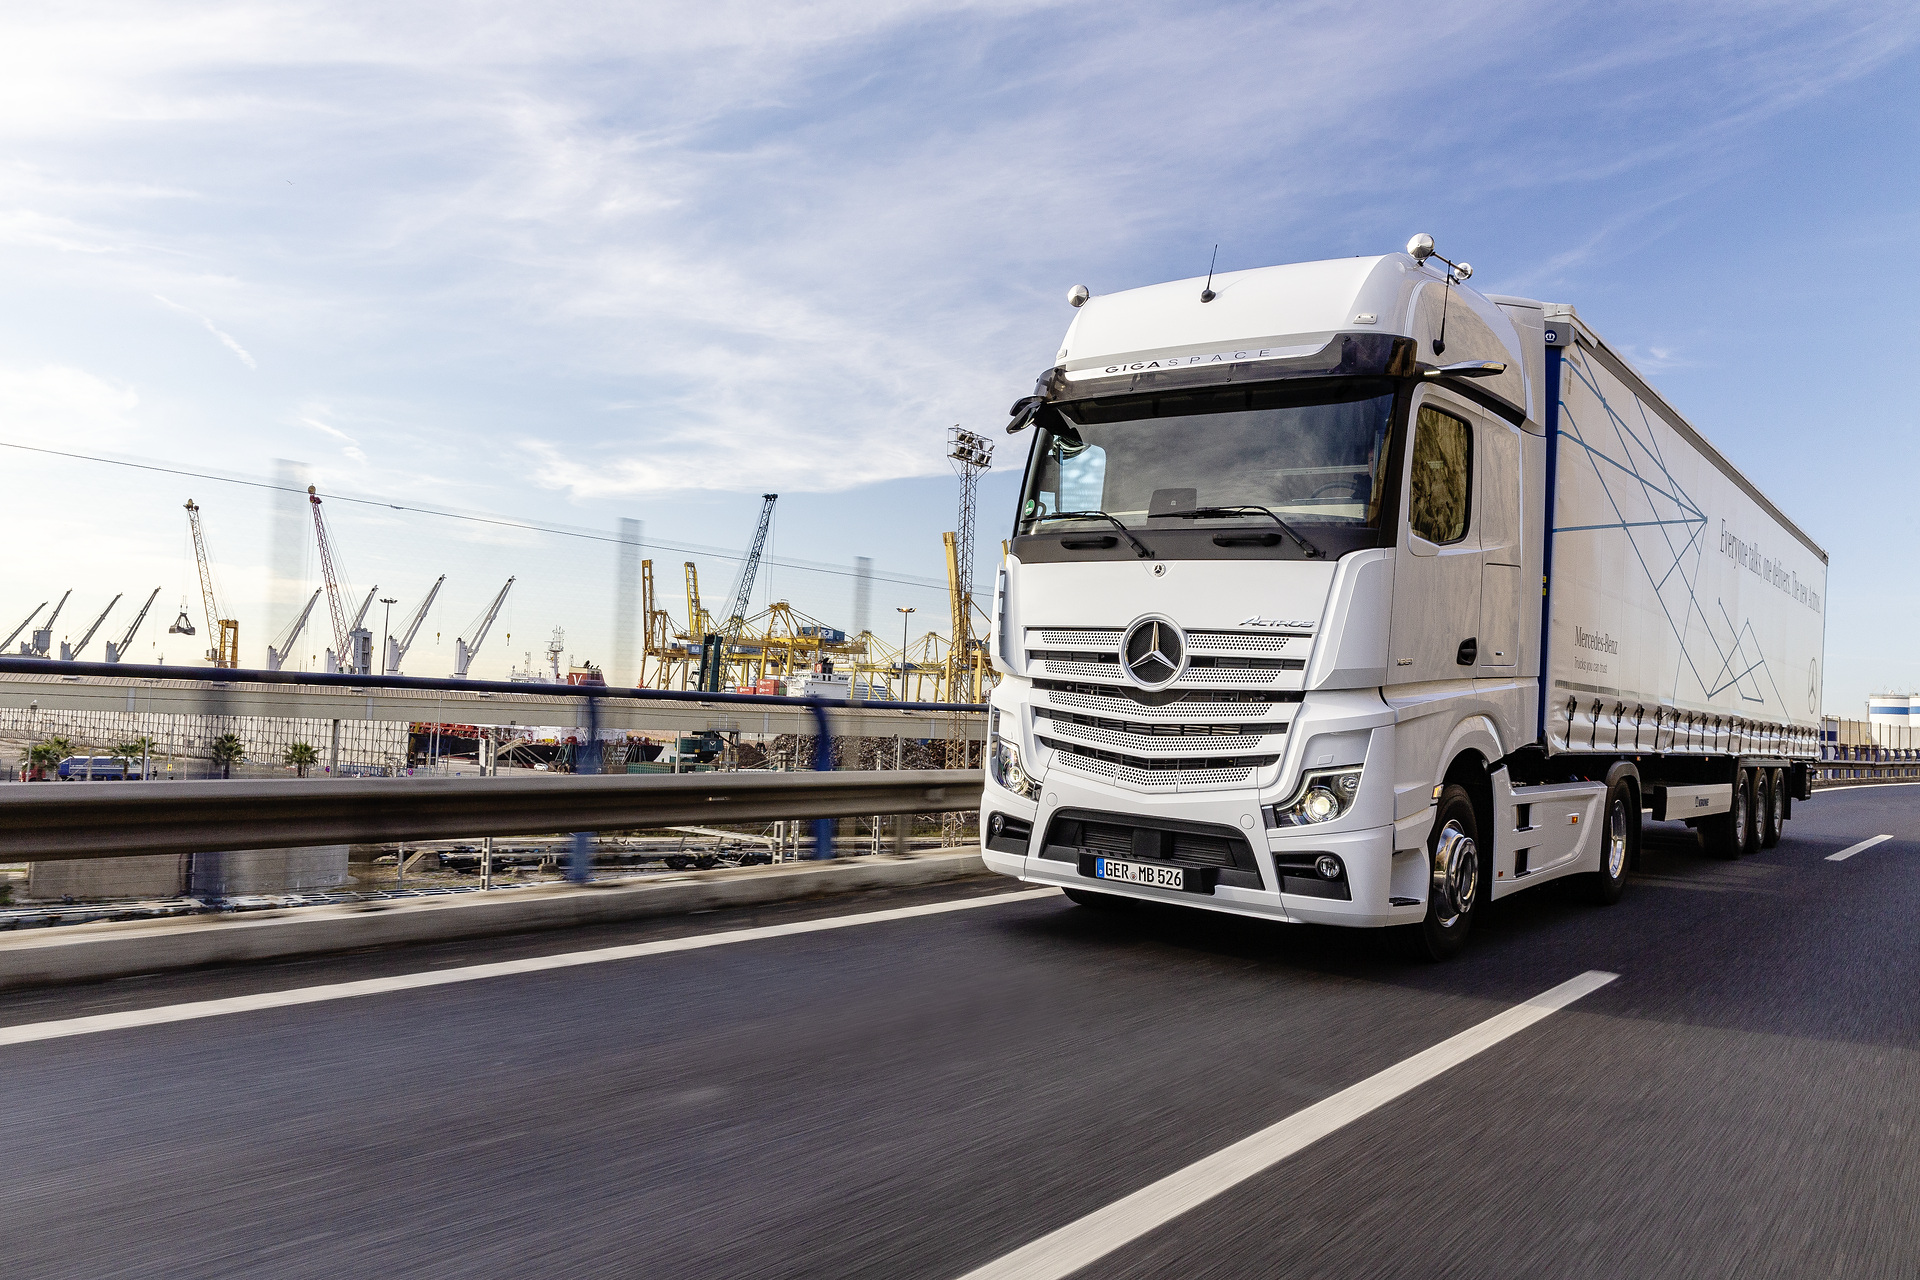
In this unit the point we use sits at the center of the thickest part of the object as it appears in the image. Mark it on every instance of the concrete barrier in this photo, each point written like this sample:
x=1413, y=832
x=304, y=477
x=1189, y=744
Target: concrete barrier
x=92, y=952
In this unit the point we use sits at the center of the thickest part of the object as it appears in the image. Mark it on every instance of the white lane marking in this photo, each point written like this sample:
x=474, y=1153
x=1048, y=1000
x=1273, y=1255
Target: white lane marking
x=32, y=1031
x=1079, y=1244
x=1850, y=850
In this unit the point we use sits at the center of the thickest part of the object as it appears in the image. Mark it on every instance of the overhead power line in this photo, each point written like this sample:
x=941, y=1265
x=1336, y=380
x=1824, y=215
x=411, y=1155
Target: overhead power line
x=586, y=535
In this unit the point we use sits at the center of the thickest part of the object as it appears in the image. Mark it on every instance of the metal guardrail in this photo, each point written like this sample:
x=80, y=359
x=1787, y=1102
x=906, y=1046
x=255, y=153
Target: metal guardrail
x=1854, y=773
x=221, y=676
x=44, y=822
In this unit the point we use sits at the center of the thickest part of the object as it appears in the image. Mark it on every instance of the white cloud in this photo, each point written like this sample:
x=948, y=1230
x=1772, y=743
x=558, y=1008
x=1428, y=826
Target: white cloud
x=225, y=339
x=633, y=250
x=59, y=407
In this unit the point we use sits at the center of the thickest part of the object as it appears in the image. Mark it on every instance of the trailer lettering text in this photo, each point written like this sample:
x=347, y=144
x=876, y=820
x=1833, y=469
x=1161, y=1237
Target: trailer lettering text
x=1748, y=556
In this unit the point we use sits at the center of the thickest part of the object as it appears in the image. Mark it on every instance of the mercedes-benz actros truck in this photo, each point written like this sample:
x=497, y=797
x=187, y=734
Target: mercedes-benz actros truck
x=1342, y=593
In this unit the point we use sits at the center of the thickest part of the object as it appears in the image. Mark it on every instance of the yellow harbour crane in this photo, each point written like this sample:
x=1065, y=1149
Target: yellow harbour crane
x=224, y=632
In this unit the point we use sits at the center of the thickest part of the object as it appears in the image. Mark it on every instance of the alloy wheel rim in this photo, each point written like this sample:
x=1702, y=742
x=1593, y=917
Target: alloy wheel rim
x=1456, y=873
x=1617, y=839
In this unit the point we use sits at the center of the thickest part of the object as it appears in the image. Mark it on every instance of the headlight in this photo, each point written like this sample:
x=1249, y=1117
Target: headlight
x=1323, y=795
x=1003, y=762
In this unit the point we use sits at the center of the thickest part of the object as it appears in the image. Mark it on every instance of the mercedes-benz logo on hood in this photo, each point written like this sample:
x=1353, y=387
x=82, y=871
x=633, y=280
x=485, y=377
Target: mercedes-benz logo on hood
x=1154, y=652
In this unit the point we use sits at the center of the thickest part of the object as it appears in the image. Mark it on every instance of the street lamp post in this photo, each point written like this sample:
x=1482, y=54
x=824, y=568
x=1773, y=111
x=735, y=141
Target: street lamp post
x=904, y=620
x=386, y=632
x=899, y=740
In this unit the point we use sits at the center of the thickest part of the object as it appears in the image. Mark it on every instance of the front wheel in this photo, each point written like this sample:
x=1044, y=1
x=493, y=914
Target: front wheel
x=1619, y=843
x=1453, y=887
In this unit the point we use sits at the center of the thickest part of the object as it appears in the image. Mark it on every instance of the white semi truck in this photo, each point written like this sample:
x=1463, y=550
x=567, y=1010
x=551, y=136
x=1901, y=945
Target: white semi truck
x=1342, y=593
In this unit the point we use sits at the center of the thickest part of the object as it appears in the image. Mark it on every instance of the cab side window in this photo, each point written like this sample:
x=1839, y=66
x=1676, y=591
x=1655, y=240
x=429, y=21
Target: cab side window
x=1442, y=482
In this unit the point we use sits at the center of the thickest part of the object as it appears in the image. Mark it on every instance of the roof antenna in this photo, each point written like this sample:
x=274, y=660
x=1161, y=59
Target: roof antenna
x=1207, y=294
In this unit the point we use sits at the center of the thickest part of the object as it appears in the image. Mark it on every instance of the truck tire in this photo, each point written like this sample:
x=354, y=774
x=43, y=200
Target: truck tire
x=1750, y=788
x=1772, y=803
x=1730, y=835
x=1456, y=867
x=1619, y=845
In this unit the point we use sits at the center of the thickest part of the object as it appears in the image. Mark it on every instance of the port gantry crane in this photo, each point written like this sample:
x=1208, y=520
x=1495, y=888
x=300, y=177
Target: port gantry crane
x=716, y=648
x=225, y=631
x=23, y=626
x=464, y=649
x=118, y=652
x=353, y=657
x=40, y=640
x=277, y=651
x=71, y=653
x=397, y=649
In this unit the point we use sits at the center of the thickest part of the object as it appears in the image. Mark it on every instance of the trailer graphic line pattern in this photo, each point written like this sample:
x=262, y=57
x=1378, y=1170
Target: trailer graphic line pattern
x=1681, y=510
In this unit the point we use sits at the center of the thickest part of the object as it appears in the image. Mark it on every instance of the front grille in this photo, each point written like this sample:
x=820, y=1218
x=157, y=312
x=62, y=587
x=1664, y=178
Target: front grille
x=1137, y=742
x=1107, y=841
x=1236, y=642
x=1185, y=729
x=1074, y=832
x=1212, y=727
x=1239, y=704
x=1107, y=639
x=1159, y=775
x=1089, y=639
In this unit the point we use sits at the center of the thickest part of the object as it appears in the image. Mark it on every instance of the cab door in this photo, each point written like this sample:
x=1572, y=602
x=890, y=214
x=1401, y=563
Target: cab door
x=1434, y=634
x=1497, y=520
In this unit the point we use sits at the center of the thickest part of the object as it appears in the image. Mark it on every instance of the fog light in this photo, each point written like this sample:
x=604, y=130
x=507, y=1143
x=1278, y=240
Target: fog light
x=997, y=824
x=1328, y=867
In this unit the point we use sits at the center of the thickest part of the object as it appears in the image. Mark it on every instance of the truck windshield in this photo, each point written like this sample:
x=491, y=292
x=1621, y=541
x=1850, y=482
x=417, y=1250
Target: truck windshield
x=1312, y=454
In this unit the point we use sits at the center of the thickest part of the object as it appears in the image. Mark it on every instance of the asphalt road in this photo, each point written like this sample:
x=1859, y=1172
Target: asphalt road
x=920, y=1097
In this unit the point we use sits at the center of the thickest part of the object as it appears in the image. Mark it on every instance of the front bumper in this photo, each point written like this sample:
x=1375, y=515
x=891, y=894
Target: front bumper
x=1374, y=875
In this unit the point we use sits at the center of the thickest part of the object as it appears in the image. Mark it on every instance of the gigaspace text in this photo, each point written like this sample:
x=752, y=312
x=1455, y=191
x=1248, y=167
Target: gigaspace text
x=1211, y=357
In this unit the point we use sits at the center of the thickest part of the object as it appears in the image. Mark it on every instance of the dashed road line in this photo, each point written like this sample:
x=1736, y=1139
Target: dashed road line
x=1080, y=1244
x=27, y=1033
x=1850, y=850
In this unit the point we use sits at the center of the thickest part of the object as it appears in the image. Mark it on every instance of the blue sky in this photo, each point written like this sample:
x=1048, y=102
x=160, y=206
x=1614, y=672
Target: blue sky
x=567, y=264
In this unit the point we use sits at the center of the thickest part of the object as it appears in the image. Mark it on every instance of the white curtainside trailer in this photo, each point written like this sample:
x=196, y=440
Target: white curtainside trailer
x=1684, y=611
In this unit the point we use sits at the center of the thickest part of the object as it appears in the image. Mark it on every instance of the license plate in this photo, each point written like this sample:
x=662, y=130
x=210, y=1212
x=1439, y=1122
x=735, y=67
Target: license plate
x=1147, y=873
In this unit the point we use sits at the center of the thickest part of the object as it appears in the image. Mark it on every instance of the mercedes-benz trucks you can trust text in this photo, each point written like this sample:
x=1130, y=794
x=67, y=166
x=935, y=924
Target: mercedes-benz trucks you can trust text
x=1343, y=593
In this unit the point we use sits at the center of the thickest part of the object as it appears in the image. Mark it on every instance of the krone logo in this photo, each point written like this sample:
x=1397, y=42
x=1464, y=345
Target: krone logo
x=1153, y=652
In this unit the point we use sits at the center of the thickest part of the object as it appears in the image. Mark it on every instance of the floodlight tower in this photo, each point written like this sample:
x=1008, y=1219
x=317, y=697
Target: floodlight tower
x=970, y=454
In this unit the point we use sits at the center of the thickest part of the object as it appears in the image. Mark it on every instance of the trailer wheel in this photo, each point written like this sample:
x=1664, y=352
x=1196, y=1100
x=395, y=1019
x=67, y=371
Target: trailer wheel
x=1619, y=845
x=1453, y=890
x=1750, y=788
x=1772, y=793
x=1730, y=834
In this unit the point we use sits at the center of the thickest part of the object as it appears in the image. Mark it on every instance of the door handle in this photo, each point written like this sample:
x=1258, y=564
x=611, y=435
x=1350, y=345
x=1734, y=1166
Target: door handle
x=1469, y=651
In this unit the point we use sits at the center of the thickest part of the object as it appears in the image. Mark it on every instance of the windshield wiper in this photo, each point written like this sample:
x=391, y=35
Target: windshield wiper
x=1125, y=532
x=1248, y=509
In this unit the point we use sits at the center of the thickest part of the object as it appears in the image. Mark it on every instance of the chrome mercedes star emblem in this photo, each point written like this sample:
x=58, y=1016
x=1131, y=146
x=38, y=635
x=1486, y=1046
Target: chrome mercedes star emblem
x=1153, y=652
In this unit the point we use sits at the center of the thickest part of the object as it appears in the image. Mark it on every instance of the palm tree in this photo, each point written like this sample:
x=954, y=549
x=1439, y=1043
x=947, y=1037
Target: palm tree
x=227, y=750
x=302, y=756
x=132, y=749
x=44, y=755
